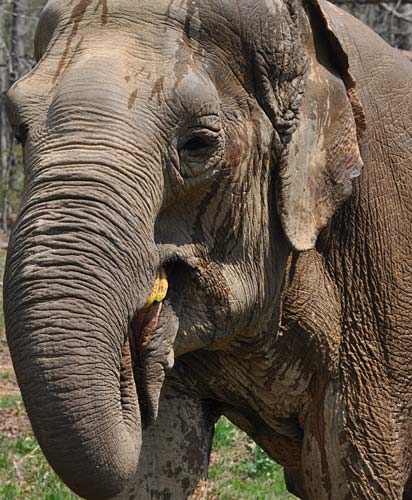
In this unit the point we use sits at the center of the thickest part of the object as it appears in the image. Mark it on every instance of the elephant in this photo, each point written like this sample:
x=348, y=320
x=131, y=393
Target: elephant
x=216, y=220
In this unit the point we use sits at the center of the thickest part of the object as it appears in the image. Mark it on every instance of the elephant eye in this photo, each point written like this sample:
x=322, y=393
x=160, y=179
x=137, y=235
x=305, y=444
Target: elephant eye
x=198, y=151
x=196, y=145
x=200, y=147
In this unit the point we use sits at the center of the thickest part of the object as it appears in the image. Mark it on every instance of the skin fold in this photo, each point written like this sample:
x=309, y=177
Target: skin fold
x=256, y=155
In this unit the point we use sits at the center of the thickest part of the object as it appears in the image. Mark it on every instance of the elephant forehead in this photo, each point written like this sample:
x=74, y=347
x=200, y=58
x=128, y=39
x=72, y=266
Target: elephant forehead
x=165, y=7
x=118, y=12
x=151, y=41
x=151, y=16
x=115, y=34
x=110, y=19
x=155, y=32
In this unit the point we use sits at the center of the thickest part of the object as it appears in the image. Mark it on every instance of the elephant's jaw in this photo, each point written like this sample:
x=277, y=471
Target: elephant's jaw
x=151, y=338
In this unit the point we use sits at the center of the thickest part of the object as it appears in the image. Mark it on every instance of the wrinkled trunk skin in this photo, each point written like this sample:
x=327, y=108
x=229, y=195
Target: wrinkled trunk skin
x=71, y=288
x=81, y=262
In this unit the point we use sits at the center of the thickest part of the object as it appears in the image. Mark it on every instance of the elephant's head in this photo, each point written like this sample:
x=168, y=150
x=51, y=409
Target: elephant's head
x=201, y=139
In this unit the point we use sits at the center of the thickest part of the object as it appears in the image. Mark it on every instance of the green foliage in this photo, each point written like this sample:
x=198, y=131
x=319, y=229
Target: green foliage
x=241, y=470
x=25, y=474
x=225, y=435
x=9, y=400
x=260, y=467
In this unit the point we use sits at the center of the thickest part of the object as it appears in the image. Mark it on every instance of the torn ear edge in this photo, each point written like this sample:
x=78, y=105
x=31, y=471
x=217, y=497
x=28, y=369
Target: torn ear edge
x=321, y=8
x=322, y=157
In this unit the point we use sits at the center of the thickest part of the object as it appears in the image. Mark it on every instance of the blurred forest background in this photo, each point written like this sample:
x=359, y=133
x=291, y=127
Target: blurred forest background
x=18, y=19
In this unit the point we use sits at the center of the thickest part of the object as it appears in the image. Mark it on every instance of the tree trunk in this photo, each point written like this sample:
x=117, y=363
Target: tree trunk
x=16, y=68
x=4, y=80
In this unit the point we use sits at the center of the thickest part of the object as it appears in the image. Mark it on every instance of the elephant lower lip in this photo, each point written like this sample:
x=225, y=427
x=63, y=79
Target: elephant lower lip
x=142, y=329
x=143, y=325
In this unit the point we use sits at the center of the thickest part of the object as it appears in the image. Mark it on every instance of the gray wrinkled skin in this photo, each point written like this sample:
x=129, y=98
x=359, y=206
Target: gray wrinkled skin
x=221, y=140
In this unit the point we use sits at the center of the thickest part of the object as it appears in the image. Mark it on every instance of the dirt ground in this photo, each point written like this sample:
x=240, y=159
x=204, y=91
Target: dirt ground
x=13, y=419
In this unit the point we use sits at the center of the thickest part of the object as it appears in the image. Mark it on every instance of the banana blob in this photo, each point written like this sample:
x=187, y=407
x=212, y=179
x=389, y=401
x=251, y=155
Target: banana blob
x=159, y=289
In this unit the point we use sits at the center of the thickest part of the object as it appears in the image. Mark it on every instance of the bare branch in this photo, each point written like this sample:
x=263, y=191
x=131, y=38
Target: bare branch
x=395, y=13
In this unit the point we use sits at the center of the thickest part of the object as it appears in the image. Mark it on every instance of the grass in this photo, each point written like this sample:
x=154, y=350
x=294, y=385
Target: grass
x=25, y=474
x=239, y=469
x=9, y=400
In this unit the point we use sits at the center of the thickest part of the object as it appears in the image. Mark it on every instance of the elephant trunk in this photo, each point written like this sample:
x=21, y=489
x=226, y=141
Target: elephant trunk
x=76, y=273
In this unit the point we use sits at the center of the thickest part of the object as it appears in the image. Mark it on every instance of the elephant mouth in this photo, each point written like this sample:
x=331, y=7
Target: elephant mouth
x=152, y=333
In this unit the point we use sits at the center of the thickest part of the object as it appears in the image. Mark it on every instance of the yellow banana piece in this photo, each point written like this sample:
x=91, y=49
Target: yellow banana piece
x=159, y=291
x=163, y=286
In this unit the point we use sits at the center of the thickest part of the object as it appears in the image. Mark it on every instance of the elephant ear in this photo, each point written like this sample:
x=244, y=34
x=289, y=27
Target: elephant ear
x=322, y=157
